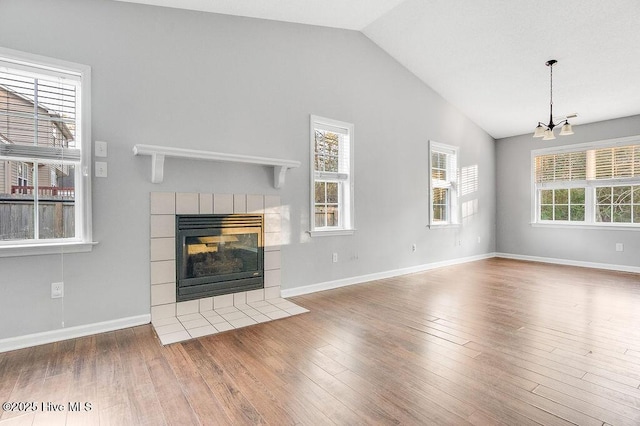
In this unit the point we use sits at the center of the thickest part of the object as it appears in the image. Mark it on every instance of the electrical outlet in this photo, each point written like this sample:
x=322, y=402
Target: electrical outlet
x=414, y=247
x=101, y=169
x=619, y=247
x=57, y=290
x=335, y=257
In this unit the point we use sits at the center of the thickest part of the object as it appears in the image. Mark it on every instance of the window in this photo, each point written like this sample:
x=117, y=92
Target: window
x=588, y=184
x=22, y=174
x=44, y=149
x=443, y=163
x=331, y=177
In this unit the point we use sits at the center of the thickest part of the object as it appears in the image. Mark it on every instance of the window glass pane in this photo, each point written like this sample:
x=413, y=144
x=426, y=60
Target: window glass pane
x=440, y=204
x=439, y=213
x=603, y=213
x=621, y=213
x=332, y=216
x=439, y=166
x=320, y=192
x=332, y=192
x=437, y=160
x=577, y=213
x=636, y=213
x=562, y=196
x=438, y=174
x=327, y=151
x=320, y=216
x=577, y=196
x=621, y=194
x=561, y=212
x=636, y=194
x=16, y=200
x=546, y=196
x=56, y=201
x=319, y=150
x=603, y=195
x=546, y=212
x=440, y=195
x=331, y=164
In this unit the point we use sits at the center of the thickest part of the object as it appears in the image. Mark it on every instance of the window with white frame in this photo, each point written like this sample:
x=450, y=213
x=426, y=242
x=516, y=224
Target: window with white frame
x=443, y=182
x=331, y=176
x=45, y=190
x=588, y=184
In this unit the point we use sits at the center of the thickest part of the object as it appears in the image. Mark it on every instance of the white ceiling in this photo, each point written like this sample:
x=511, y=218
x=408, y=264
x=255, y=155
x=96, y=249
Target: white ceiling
x=487, y=57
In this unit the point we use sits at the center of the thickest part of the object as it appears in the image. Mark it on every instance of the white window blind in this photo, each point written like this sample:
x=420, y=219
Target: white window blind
x=616, y=162
x=593, y=164
x=565, y=166
x=35, y=108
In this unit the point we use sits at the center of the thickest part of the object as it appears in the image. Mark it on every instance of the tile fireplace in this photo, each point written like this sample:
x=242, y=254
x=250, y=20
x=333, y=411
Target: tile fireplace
x=176, y=319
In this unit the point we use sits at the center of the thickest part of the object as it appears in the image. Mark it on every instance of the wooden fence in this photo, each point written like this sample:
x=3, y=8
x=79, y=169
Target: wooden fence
x=56, y=219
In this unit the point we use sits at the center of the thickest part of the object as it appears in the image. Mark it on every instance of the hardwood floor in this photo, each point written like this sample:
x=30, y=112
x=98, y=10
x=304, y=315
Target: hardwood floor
x=490, y=342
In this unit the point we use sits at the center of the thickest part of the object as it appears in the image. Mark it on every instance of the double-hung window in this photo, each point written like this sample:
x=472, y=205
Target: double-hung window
x=331, y=176
x=443, y=180
x=589, y=184
x=44, y=155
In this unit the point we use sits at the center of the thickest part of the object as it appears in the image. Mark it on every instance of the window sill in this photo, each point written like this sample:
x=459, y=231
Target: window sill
x=15, y=250
x=332, y=233
x=616, y=227
x=443, y=226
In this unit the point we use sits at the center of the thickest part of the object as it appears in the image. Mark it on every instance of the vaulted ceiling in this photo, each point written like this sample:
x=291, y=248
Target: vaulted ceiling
x=487, y=57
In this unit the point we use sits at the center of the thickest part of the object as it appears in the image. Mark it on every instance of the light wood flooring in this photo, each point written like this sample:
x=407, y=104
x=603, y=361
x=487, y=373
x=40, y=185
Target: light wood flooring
x=490, y=342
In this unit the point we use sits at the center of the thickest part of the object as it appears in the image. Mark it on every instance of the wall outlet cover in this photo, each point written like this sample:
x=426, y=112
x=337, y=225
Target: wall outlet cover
x=57, y=290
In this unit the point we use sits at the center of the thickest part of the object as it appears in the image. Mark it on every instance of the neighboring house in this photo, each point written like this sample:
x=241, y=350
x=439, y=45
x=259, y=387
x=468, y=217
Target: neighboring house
x=17, y=177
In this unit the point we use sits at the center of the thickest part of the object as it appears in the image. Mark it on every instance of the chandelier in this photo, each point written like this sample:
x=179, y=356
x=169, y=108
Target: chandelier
x=545, y=131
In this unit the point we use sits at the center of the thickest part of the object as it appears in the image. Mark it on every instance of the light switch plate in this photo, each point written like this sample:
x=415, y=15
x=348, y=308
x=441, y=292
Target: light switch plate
x=101, y=169
x=100, y=149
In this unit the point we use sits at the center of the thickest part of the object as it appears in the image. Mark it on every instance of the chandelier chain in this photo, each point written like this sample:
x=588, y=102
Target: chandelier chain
x=551, y=85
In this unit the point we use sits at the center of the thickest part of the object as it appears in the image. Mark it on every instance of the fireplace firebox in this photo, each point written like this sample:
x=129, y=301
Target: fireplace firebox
x=218, y=254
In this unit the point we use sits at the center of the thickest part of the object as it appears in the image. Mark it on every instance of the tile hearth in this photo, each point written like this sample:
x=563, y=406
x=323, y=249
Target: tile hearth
x=177, y=321
x=185, y=327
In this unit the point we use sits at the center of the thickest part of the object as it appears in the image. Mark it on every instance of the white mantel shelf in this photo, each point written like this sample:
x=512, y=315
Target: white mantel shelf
x=158, y=154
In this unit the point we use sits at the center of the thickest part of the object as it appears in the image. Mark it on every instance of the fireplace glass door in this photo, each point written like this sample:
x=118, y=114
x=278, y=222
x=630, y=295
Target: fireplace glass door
x=218, y=254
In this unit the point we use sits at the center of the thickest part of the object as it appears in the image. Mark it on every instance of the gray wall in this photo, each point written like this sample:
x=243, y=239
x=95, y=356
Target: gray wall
x=515, y=235
x=220, y=83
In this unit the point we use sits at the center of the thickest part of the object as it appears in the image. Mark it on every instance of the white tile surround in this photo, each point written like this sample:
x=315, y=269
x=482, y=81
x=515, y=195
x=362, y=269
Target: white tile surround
x=180, y=321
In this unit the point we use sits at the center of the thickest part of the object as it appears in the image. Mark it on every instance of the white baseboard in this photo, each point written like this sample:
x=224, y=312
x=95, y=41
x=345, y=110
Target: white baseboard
x=35, y=339
x=608, y=266
x=328, y=285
